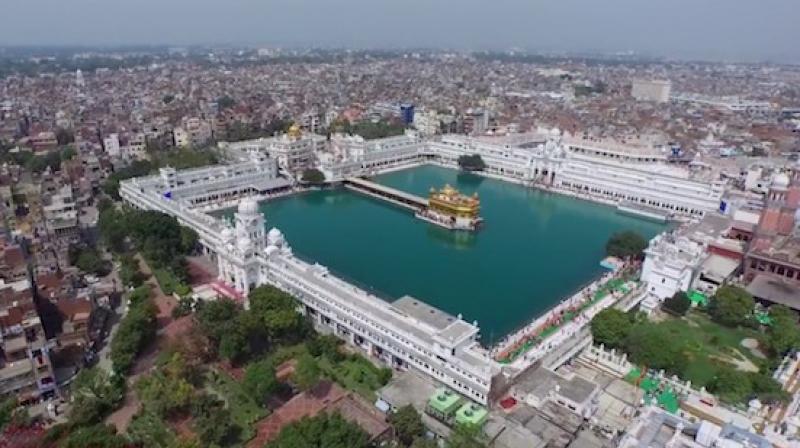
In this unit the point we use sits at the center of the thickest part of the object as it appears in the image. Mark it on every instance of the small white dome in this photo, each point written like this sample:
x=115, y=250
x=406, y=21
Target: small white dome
x=274, y=237
x=248, y=206
x=243, y=244
x=270, y=250
x=780, y=180
x=226, y=234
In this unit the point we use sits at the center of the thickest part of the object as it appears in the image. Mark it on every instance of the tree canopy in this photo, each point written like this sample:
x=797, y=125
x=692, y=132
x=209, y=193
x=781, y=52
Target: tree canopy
x=473, y=162
x=610, y=327
x=259, y=380
x=135, y=331
x=678, y=304
x=735, y=386
x=322, y=431
x=731, y=306
x=407, y=424
x=277, y=310
x=313, y=176
x=95, y=394
x=648, y=345
x=784, y=333
x=307, y=372
x=627, y=244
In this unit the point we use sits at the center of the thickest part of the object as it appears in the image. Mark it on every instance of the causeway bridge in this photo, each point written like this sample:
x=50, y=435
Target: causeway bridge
x=392, y=195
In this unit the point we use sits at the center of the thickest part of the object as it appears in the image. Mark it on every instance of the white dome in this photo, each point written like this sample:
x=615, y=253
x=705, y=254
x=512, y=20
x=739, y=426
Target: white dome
x=780, y=180
x=274, y=237
x=226, y=234
x=270, y=250
x=248, y=206
x=243, y=244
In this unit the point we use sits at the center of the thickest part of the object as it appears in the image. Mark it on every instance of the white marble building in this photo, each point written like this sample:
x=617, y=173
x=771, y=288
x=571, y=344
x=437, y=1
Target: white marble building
x=670, y=264
x=604, y=172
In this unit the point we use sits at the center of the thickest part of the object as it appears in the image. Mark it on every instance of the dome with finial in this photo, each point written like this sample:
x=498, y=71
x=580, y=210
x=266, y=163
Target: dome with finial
x=248, y=206
x=243, y=244
x=294, y=131
x=274, y=237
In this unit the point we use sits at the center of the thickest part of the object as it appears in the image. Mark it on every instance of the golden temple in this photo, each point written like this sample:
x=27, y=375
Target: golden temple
x=450, y=202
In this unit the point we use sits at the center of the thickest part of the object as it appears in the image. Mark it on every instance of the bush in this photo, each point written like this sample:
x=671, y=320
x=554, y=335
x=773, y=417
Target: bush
x=678, y=304
x=731, y=306
x=610, y=327
x=313, y=176
x=135, y=331
x=472, y=162
x=652, y=345
x=627, y=244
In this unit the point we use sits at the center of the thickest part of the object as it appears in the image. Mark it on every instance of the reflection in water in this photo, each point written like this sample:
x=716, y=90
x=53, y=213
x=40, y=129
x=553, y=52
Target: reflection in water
x=469, y=181
x=457, y=239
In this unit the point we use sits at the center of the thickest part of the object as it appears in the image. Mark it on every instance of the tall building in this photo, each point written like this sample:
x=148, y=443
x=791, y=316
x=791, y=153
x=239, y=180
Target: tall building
x=111, y=145
x=79, y=81
x=407, y=113
x=651, y=90
x=476, y=121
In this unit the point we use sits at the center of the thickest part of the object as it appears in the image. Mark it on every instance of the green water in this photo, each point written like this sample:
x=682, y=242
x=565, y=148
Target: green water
x=534, y=249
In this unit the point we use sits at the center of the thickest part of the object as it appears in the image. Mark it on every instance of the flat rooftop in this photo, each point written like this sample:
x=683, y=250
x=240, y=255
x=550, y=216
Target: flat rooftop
x=771, y=289
x=423, y=312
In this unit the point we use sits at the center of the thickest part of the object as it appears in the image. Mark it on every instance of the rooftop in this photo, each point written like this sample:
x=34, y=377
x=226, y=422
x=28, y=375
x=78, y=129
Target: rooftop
x=769, y=288
x=444, y=401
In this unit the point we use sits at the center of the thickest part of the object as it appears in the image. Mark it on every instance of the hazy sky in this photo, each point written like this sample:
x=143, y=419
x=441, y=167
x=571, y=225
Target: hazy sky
x=728, y=29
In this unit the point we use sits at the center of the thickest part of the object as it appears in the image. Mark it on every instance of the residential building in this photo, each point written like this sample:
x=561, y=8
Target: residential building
x=26, y=372
x=651, y=90
x=111, y=145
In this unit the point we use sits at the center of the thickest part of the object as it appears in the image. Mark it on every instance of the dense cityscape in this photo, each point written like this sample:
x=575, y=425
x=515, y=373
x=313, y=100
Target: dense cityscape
x=155, y=294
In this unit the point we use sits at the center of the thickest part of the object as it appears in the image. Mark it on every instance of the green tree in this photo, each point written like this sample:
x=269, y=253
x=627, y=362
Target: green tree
x=407, y=424
x=129, y=273
x=422, y=442
x=678, y=304
x=89, y=260
x=166, y=391
x=731, y=306
x=472, y=162
x=135, y=331
x=322, y=431
x=11, y=414
x=784, y=333
x=653, y=345
x=464, y=436
x=212, y=421
x=313, y=176
x=610, y=327
x=307, y=372
x=217, y=318
x=96, y=436
x=731, y=385
x=627, y=244
x=95, y=394
x=767, y=389
x=259, y=380
x=278, y=311
x=233, y=345
x=149, y=429
x=325, y=345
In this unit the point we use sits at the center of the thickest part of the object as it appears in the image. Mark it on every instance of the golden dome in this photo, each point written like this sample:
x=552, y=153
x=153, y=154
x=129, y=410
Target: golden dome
x=294, y=131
